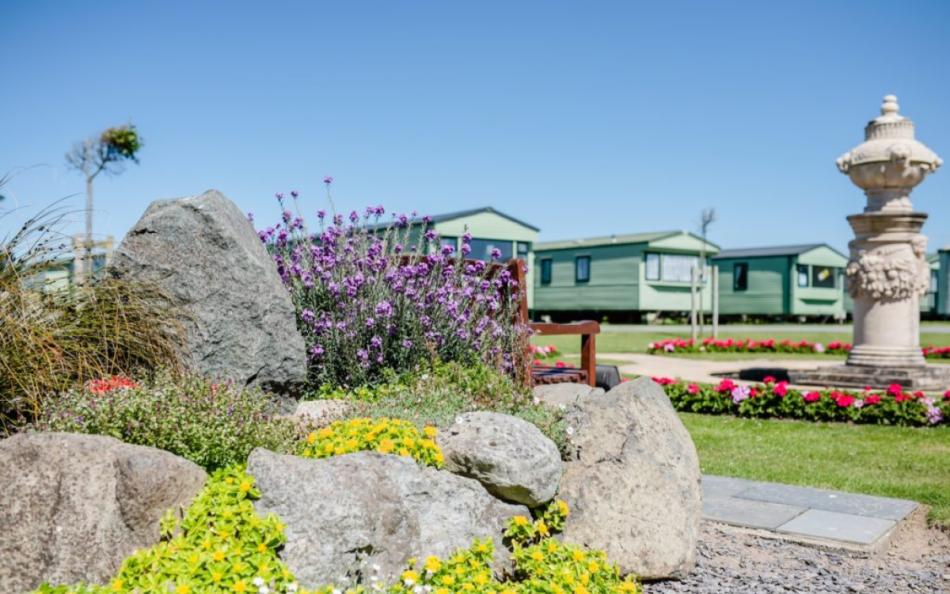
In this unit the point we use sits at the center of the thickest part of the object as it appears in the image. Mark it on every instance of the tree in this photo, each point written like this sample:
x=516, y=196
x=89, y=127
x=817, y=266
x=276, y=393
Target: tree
x=106, y=153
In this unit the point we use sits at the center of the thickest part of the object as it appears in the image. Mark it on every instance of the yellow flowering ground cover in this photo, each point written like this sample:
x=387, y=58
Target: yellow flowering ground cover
x=386, y=436
x=222, y=546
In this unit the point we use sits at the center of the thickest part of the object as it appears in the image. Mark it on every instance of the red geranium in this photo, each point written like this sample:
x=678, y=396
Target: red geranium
x=872, y=399
x=768, y=379
x=726, y=385
x=694, y=389
x=109, y=384
x=781, y=389
x=812, y=397
x=844, y=400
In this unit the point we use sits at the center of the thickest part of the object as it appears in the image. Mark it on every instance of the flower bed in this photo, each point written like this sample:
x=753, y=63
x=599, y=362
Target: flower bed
x=893, y=406
x=374, y=298
x=543, y=351
x=768, y=345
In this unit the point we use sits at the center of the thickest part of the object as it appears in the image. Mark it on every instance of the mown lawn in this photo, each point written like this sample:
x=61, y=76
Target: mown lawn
x=636, y=342
x=908, y=463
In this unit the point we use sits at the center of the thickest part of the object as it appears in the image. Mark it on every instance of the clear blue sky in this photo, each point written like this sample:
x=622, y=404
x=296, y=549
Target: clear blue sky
x=584, y=118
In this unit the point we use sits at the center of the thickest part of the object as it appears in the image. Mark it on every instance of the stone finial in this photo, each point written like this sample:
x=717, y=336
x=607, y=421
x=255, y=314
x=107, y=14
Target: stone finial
x=890, y=161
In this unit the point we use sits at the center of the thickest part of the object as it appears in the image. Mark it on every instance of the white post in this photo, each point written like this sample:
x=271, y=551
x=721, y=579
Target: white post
x=715, y=301
x=692, y=303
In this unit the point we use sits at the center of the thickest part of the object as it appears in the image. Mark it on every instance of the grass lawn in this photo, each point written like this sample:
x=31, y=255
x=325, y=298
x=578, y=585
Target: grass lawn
x=908, y=463
x=636, y=342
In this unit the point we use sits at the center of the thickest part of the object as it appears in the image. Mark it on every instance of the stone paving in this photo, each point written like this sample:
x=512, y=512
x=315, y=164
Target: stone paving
x=804, y=514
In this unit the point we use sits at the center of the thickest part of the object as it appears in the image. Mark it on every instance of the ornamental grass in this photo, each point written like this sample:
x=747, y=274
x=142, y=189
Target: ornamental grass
x=54, y=338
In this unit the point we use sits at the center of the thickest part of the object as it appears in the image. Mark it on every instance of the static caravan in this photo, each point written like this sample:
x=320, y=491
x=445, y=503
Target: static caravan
x=490, y=229
x=782, y=281
x=619, y=276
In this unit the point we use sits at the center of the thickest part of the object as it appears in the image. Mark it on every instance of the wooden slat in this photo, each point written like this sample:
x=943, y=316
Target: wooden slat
x=545, y=329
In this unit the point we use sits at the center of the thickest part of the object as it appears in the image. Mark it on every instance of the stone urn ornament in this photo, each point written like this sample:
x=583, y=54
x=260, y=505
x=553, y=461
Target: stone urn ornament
x=888, y=271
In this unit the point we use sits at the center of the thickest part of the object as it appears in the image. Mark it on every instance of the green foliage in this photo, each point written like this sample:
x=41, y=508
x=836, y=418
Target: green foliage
x=52, y=340
x=386, y=436
x=121, y=142
x=213, y=425
x=437, y=395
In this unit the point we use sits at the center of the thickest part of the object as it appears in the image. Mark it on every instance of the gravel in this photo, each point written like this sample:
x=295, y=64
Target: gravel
x=731, y=560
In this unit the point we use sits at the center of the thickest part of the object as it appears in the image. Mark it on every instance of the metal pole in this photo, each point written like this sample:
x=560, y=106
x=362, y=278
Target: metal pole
x=715, y=301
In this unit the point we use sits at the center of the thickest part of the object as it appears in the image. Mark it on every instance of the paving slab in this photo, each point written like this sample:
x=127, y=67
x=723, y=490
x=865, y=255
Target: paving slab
x=816, y=523
x=830, y=501
x=749, y=514
x=725, y=486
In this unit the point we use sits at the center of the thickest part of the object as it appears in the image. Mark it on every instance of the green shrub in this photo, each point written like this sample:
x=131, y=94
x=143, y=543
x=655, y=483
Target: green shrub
x=53, y=339
x=213, y=425
x=446, y=390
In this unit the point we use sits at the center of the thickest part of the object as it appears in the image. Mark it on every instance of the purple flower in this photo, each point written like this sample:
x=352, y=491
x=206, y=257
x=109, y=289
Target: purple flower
x=407, y=344
x=321, y=214
x=279, y=196
x=294, y=193
x=376, y=342
x=316, y=351
x=328, y=180
x=383, y=308
x=466, y=249
x=354, y=216
x=495, y=253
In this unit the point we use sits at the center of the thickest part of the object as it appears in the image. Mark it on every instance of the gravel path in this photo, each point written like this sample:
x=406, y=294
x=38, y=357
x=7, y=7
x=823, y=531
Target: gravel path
x=730, y=561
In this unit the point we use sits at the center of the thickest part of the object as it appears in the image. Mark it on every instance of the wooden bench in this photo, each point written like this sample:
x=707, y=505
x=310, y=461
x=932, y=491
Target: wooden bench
x=587, y=330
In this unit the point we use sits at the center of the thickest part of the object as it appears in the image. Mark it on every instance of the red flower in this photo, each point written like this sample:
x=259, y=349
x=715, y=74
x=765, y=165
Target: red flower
x=781, y=389
x=664, y=381
x=726, y=385
x=560, y=364
x=812, y=397
x=844, y=401
x=768, y=379
x=536, y=362
x=109, y=384
x=694, y=389
x=946, y=395
x=895, y=389
x=872, y=399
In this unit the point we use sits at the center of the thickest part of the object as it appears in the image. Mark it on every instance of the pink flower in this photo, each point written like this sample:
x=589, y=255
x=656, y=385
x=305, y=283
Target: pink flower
x=692, y=389
x=768, y=379
x=726, y=385
x=812, y=397
x=895, y=389
x=946, y=395
x=872, y=399
x=781, y=389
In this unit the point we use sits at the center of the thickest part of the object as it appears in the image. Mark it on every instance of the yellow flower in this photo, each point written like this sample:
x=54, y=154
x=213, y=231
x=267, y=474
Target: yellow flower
x=481, y=579
x=312, y=438
x=431, y=431
x=578, y=555
x=580, y=590
x=216, y=576
x=325, y=433
x=117, y=585
x=520, y=521
x=183, y=589
x=218, y=555
x=245, y=486
x=447, y=580
x=563, y=508
x=386, y=446
x=593, y=567
x=433, y=564
x=261, y=548
x=537, y=555
x=240, y=586
x=410, y=577
x=542, y=528
x=403, y=452
x=628, y=587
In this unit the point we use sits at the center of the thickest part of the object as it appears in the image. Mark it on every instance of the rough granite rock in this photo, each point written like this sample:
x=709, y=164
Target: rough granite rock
x=205, y=256
x=346, y=513
x=508, y=456
x=564, y=394
x=75, y=506
x=634, y=483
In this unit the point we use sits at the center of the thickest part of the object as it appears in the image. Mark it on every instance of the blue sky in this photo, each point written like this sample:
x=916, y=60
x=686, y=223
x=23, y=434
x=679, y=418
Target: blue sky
x=584, y=118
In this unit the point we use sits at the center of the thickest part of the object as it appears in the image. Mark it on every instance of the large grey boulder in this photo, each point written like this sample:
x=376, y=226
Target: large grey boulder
x=75, y=506
x=564, y=394
x=205, y=256
x=347, y=513
x=634, y=483
x=509, y=456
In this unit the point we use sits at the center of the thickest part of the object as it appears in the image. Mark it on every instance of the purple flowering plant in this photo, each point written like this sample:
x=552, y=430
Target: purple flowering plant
x=377, y=298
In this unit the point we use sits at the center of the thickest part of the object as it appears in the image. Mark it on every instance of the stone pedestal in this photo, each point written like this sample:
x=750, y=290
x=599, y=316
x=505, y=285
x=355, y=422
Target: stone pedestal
x=888, y=270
